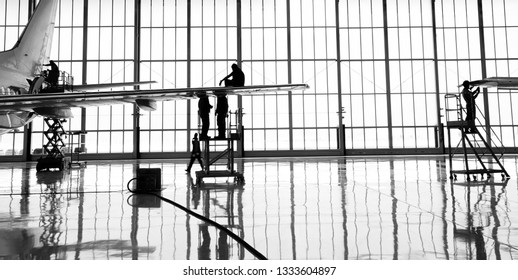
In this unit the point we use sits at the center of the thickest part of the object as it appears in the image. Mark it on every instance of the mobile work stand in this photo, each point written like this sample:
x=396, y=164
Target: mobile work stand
x=78, y=150
x=54, y=148
x=218, y=153
x=481, y=145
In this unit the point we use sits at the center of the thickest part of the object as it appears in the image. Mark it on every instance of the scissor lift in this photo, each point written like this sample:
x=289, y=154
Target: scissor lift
x=472, y=142
x=54, y=148
x=218, y=154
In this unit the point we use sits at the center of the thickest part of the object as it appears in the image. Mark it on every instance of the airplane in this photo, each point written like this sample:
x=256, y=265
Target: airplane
x=506, y=83
x=22, y=98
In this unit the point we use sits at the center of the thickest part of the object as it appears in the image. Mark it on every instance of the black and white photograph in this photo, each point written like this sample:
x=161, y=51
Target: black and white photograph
x=266, y=139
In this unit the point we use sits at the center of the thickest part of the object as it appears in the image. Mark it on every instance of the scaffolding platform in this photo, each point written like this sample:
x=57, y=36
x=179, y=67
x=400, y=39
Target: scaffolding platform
x=80, y=148
x=457, y=124
x=218, y=153
x=238, y=177
x=476, y=171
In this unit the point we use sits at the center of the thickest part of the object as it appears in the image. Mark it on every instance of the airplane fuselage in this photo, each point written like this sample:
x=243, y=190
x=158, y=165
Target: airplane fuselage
x=13, y=81
x=24, y=60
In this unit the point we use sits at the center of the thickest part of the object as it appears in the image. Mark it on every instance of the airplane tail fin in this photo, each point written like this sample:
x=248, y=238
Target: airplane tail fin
x=33, y=47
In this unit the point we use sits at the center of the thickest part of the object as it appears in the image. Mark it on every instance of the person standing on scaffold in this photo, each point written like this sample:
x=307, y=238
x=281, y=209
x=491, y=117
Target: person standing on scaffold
x=471, y=109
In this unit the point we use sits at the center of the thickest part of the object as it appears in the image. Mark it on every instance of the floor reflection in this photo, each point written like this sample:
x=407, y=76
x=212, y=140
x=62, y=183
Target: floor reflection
x=477, y=205
x=218, y=203
x=288, y=208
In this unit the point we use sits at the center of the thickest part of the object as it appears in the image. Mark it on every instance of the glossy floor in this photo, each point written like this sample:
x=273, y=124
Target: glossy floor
x=288, y=208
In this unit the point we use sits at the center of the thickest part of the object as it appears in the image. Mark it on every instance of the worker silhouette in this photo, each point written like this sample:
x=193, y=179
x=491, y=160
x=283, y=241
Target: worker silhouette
x=195, y=153
x=221, y=113
x=204, y=112
x=53, y=74
x=469, y=97
x=238, y=77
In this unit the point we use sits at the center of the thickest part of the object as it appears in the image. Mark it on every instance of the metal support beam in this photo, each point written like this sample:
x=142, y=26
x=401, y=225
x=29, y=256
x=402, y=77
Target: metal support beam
x=484, y=69
x=189, y=111
x=341, y=130
x=290, y=97
x=27, y=136
x=136, y=77
x=240, y=145
x=387, y=74
x=84, y=69
x=31, y=6
x=436, y=74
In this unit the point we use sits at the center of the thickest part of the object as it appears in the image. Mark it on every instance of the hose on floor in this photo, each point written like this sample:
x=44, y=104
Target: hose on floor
x=238, y=239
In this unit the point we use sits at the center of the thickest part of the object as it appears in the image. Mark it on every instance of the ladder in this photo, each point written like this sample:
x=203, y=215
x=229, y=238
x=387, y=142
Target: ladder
x=480, y=143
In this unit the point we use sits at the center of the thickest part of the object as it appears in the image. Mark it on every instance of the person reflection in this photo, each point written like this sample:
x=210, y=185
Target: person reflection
x=204, y=247
x=196, y=192
x=222, y=249
x=480, y=244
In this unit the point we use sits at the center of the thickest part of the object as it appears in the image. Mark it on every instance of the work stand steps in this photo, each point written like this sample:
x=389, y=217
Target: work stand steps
x=476, y=148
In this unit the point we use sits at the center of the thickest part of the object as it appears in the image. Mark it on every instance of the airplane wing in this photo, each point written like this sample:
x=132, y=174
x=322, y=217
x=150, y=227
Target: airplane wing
x=145, y=99
x=88, y=87
x=509, y=83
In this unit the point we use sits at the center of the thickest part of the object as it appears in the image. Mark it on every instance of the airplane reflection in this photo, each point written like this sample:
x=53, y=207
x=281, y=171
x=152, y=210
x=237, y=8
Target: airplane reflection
x=50, y=239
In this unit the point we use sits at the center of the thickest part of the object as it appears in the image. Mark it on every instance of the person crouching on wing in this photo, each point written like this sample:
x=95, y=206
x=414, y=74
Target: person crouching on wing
x=238, y=77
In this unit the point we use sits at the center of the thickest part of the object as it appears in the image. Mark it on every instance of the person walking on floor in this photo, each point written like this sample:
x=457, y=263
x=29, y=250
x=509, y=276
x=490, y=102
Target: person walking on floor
x=195, y=153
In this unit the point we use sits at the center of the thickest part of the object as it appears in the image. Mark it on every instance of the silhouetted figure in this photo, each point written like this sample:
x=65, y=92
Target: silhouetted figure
x=53, y=75
x=238, y=77
x=469, y=96
x=221, y=113
x=204, y=112
x=195, y=153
